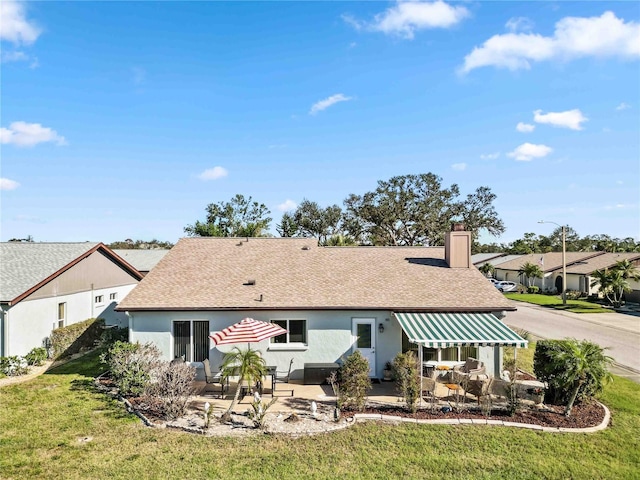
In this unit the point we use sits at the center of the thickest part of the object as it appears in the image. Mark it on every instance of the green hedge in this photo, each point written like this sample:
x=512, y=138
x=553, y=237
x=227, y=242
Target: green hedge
x=74, y=338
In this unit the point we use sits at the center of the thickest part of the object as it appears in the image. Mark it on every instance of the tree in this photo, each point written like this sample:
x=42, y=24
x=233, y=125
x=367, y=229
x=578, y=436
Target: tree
x=247, y=365
x=239, y=217
x=487, y=269
x=614, y=282
x=129, y=244
x=576, y=366
x=287, y=226
x=530, y=271
x=314, y=221
x=416, y=210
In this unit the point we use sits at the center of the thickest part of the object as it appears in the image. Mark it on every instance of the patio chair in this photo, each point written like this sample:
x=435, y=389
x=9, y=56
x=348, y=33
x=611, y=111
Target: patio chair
x=214, y=379
x=471, y=368
x=480, y=386
x=282, y=377
x=428, y=388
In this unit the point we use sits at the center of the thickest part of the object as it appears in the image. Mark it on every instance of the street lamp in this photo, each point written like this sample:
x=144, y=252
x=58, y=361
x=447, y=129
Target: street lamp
x=564, y=261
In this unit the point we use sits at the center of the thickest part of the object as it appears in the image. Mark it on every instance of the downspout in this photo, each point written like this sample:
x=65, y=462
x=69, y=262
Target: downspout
x=3, y=331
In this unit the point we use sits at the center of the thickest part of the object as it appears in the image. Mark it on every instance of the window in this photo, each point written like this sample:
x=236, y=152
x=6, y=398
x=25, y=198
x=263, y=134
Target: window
x=62, y=314
x=297, y=331
x=191, y=340
x=113, y=296
x=450, y=354
x=99, y=299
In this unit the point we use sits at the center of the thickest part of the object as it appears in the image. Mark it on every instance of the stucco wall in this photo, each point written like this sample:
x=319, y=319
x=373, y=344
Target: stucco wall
x=328, y=335
x=29, y=322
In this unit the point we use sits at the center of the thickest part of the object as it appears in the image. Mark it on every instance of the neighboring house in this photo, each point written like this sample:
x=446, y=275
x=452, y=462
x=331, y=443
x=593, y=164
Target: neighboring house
x=44, y=286
x=549, y=263
x=141, y=259
x=579, y=274
x=332, y=301
x=479, y=259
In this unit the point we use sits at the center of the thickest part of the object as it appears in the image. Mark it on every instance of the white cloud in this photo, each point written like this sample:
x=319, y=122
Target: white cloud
x=405, y=18
x=6, y=184
x=623, y=106
x=327, y=102
x=569, y=119
x=528, y=151
x=489, y=156
x=525, y=127
x=14, y=56
x=522, y=24
x=213, y=173
x=287, y=205
x=15, y=27
x=23, y=134
x=574, y=37
x=459, y=166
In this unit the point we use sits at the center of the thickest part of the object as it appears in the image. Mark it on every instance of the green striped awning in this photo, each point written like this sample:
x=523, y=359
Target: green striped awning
x=439, y=330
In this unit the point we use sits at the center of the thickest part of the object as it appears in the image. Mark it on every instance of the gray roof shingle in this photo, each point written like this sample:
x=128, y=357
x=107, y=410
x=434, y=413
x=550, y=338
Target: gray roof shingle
x=25, y=264
x=294, y=273
x=142, y=260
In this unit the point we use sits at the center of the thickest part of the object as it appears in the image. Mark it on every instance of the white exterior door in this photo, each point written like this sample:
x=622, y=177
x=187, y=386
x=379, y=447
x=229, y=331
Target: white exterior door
x=364, y=333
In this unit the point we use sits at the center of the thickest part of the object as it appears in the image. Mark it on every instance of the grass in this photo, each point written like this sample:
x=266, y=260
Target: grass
x=552, y=301
x=43, y=421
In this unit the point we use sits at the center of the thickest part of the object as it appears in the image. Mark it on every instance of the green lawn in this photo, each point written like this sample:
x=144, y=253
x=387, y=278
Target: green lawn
x=42, y=421
x=552, y=301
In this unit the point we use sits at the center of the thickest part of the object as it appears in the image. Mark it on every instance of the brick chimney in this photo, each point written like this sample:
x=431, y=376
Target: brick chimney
x=457, y=247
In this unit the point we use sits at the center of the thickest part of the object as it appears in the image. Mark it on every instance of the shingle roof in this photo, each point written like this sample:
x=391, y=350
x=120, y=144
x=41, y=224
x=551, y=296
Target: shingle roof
x=606, y=260
x=25, y=264
x=294, y=273
x=485, y=257
x=497, y=260
x=142, y=260
x=550, y=261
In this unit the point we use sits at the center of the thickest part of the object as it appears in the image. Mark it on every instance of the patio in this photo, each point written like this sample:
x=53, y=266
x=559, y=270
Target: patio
x=381, y=393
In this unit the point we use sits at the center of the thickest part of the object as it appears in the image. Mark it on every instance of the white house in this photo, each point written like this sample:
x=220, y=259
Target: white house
x=44, y=286
x=332, y=301
x=580, y=274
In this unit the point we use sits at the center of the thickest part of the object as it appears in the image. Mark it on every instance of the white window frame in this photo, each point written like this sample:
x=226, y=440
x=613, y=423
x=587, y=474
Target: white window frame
x=191, y=334
x=113, y=296
x=98, y=299
x=64, y=316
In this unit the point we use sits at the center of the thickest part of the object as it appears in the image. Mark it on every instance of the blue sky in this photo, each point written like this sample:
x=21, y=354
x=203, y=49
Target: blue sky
x=124, y=120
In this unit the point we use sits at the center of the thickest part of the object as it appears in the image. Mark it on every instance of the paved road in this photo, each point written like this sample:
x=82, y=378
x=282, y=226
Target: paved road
x=619, y=332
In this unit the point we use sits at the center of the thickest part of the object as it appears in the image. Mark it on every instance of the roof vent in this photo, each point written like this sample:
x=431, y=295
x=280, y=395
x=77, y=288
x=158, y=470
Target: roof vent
x=250, y=282
x=306, y=248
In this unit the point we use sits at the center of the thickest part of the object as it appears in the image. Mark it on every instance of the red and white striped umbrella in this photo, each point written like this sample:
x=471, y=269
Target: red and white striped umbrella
x=247, y=330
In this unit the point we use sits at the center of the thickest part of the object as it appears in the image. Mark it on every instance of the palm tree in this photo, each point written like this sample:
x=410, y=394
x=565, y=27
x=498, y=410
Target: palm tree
x=248, y=365
x=487, y=269
x=531, y=271
x=614, y=282
x=580, y=363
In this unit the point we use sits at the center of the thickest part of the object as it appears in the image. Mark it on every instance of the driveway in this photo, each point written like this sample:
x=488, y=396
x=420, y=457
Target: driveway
x=619, y=332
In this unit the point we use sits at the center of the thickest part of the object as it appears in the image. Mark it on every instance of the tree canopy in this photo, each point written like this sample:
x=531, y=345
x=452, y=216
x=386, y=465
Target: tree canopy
x=239, y=217
x=129, y=244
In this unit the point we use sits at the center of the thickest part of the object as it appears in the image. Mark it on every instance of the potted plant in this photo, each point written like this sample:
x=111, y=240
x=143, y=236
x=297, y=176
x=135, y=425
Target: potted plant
x=386, y=373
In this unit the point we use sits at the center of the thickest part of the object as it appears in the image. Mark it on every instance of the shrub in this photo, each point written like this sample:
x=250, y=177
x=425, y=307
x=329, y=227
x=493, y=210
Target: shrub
x=573, y=294
x=521, y=288
x=533, y=289
x=111, y=335
x=258, y=411
x=76, y=337
x=353, y=378
x=36, y=356
x=173, y=386
x=407, y=375
x=570, y=368
x=133, y=366
x=13, y=366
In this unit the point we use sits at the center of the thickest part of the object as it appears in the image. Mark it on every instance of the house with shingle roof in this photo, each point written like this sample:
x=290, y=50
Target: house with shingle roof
x=332, y=301
x=44, y=286
x=550, y=264
x=142, y=260
x=579, y=274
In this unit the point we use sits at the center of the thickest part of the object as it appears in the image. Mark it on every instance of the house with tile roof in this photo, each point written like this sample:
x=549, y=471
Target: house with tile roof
x=550, y=264
x=579, y=274
x=44, y=286
x=332, y=301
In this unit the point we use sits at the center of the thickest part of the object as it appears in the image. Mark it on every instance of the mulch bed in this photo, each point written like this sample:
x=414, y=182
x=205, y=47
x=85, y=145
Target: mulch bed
x=582, y=416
